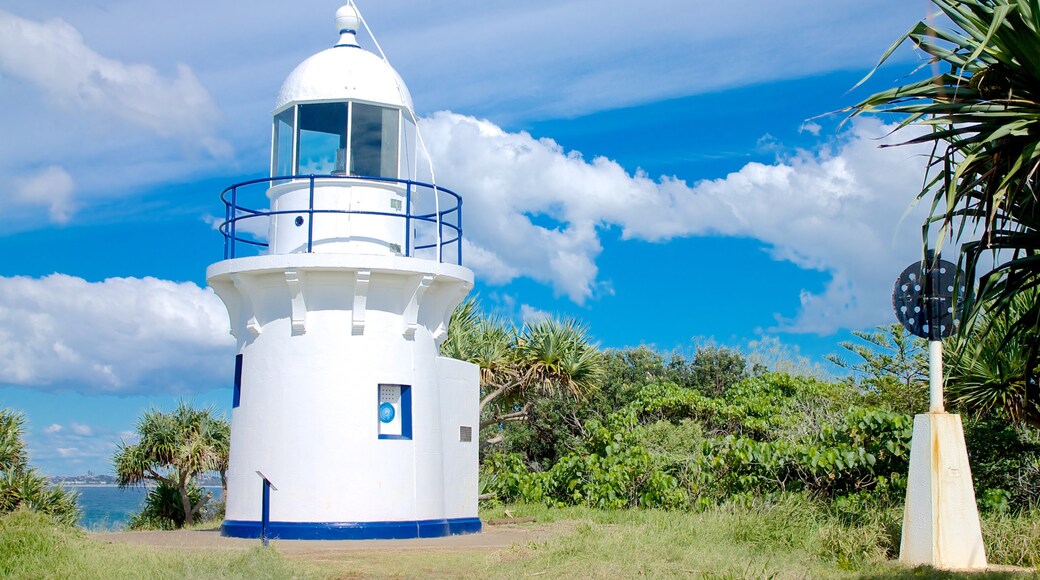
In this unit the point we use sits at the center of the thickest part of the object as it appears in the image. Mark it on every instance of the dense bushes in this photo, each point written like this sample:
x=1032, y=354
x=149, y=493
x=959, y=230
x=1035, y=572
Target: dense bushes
x=674, y=446
x=801, y=459
x=163, y=509
x=674, y=433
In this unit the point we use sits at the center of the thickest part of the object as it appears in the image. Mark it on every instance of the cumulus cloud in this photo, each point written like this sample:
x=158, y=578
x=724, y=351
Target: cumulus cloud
x=81, y=429
x=534, y=210
x=118, y=336
x=53, y=56
x=529, y=313
x=52, y=187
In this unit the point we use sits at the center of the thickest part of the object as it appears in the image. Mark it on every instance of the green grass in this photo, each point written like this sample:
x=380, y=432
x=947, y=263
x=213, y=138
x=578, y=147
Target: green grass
x=32, y=546
x=789, y=538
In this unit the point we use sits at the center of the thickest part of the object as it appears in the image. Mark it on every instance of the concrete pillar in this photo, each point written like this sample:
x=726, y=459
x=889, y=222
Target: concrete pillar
x=941, y=522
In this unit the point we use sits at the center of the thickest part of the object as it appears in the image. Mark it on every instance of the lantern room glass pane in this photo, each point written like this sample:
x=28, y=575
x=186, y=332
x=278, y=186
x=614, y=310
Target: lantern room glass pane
x=283, y=142
x=322, y=138
x=374, y=136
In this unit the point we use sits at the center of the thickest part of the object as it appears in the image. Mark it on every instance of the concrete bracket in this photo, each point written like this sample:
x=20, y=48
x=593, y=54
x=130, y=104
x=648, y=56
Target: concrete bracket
x=361, y=282
x=294, y=279
x=441, y=332
x=411, y=312
x=245, y=289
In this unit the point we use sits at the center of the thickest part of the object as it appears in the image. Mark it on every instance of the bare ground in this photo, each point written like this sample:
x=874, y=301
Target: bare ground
x=497, y=537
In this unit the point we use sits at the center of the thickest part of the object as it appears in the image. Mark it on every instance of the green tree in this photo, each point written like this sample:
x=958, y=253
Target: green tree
x=981, y=113
x=892, y=367
x=172, y=450
x=21, y=486
x=716, y=369
x=545, y=358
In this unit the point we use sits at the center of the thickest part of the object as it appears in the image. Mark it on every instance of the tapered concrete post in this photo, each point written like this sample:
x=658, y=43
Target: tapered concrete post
x=941, y=521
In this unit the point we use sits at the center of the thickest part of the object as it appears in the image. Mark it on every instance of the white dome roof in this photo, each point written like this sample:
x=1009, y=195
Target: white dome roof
x=345, y=71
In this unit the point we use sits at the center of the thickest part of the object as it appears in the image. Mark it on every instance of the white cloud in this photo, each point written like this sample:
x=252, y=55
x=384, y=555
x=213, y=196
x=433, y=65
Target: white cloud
x=53, y=57
x=120, y=336
x=529, y=313
x=51, y=187
x=81, y=429
x=534, y=210
x=810, y=127
x=74, y=446
x=79, y=73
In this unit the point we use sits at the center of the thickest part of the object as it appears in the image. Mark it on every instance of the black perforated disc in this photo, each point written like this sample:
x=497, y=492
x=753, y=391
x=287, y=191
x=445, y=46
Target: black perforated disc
x=923, y=299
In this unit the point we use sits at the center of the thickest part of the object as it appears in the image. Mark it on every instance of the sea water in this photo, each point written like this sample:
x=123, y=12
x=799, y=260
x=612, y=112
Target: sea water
x=107, y=508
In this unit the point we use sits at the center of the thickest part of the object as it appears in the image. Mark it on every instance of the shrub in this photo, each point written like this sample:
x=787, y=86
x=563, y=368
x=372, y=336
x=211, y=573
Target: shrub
x=22, y=486
x=163, y=509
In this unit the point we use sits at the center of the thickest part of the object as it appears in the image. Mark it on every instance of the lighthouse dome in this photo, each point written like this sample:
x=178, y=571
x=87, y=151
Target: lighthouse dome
x=345, y=72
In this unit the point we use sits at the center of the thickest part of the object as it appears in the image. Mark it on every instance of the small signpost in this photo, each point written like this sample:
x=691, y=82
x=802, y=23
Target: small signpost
x=941, y=519
x=923, y=301
x=265, y=507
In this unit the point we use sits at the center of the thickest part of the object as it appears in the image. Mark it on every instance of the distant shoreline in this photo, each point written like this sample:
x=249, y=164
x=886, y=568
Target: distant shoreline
x=145, y=486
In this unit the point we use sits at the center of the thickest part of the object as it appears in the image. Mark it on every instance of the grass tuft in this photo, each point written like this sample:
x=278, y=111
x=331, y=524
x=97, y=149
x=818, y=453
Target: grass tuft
x=33, y=546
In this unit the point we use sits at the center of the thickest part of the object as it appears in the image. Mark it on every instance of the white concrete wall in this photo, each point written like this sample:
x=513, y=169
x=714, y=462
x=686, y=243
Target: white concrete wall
x=333, y=232
x=308, y=409
x=460, y=402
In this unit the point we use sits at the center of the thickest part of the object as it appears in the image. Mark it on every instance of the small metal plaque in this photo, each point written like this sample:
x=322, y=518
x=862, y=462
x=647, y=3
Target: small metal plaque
x=465, y=434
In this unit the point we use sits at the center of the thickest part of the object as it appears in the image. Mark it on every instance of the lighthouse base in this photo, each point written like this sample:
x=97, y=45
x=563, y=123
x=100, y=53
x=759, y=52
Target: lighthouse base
x=352, y=530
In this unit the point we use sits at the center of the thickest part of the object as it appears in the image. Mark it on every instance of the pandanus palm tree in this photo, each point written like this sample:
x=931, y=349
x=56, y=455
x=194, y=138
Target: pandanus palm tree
x=545, y=357
x=21, y=486
x=981, y=112
x=173, y=449
x=992, y=373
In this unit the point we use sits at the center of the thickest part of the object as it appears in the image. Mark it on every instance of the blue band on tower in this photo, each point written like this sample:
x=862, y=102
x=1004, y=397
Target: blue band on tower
x=352, y=530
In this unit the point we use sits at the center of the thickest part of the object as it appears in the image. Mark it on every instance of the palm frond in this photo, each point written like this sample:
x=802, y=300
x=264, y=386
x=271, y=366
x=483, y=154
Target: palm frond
x=982, y=113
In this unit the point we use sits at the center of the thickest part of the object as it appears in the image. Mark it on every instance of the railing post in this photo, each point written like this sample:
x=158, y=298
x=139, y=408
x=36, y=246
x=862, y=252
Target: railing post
x=408, y=220
x=310, y=220
x=440, y=230
x=234, y=218
x=458, y=222
x=224, y=227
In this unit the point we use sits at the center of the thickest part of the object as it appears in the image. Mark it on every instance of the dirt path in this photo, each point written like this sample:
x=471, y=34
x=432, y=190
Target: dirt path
x=491, y=538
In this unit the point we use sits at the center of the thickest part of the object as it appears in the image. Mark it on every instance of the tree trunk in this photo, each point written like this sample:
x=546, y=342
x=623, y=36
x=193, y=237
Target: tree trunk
x=182, y=487
x=223, y=485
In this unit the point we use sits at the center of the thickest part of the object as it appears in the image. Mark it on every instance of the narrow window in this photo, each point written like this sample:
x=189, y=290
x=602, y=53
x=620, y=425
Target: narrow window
x=394, y=411
x=236, y=397
x=282, y=164
x=322, y=139
x=374, y=137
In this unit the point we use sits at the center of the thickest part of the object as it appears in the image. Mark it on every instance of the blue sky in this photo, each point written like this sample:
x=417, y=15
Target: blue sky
x=658, y=171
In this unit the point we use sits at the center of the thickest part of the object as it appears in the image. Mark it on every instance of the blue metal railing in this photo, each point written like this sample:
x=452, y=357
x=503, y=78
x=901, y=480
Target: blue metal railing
x=446, y=216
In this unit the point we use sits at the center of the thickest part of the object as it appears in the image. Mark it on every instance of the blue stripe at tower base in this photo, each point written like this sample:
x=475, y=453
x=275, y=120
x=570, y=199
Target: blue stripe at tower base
x=352, y=530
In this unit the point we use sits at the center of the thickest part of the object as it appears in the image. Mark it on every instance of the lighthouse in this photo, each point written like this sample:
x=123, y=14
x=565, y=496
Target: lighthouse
x=340, y=273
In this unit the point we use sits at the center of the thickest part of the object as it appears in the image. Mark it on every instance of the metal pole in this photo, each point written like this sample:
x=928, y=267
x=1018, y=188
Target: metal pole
x=935, y=377
x=933, y=304
x=265, y=507
x=265, y=512
x=234, y=216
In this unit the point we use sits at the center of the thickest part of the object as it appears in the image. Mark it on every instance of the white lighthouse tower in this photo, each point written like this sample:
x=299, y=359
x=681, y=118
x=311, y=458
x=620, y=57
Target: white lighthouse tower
x=341, y=401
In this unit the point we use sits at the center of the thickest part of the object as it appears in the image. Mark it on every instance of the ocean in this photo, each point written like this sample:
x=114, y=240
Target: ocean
x=106, y=508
